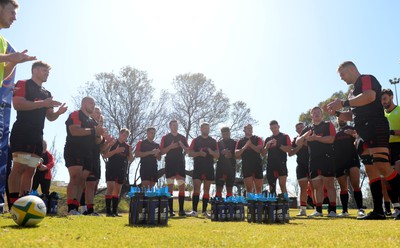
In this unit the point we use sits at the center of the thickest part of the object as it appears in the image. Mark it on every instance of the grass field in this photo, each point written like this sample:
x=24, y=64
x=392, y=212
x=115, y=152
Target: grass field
x=85, y=231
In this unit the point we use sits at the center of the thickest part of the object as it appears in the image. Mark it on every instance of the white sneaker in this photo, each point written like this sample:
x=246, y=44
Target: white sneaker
x=206, y=215
x=302, y=213
x=74, y=212
x=361, y=213
x=343, y=214
x=316, y=214
x=332, y=214
x=396, y=213
x=193, y=214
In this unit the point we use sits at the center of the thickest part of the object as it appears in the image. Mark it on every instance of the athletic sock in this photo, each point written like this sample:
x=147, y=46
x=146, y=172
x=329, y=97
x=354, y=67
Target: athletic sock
x=108, y=204
x=318, y=207
x=344, y=198
x=228, y=194
x=394, y=182
x=218, y=194
x=13, y=197
x=114, y=202
x=387, y=206
x=332, y=206
x=206, y=197
x=82, y=200
x=90, y=208
x=171, y=204
x=376, y=191
x=195, y=201
x=181, y=199
x=71, y=204
x=358, y=198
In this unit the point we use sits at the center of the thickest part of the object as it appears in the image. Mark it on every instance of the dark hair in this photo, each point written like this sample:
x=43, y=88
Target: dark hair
x=273, y=122
x=225, y=129
x=150, y=128
x=316, y=107
x=298, y=124
x=172, y=121
x=5, y=2
x=346, y=64
x=125, y=130
x=389, y=92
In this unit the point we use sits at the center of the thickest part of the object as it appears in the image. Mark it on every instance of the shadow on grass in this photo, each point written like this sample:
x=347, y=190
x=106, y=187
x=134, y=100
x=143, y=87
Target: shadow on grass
x=20, y=227
x=147, y=226
x=324, y=218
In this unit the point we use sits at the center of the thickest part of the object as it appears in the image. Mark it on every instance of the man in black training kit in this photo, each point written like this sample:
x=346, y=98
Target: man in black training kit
x=373, y=129
x=149, y=152
x=203, y=150
x=226, y=165
x=347, y=165
x=302, y=173
x=277, y=146
x=175, y=145
x=33, y=104
x=249, y=149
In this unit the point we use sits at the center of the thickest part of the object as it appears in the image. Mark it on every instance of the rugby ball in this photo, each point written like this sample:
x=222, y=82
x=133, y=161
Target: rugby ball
x=28, y=210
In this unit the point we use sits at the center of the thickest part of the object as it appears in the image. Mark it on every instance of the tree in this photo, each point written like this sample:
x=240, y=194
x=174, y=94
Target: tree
x=239, y=117
x=127, y=101
x=57, y=157
x=195, y=100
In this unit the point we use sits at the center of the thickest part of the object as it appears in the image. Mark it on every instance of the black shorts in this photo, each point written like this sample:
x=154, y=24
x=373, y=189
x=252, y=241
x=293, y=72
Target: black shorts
x=374, y=132
x=394, y=152
x=275, y=171
x=174, y=170
x=252, y=170
x=322, y=166
x=115, y=173
x=148, y=172
x=342, y=167
x=76, y=159
x=19, y=142
x=302, y=171
x=225, y=173
x=96, y=170
x=203, y=172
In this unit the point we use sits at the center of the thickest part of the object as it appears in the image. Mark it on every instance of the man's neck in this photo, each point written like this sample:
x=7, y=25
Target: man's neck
x=37, y=81
x=390, y=109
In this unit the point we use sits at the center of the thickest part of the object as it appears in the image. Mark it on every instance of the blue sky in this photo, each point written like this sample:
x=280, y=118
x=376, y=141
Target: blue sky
x=280, y=57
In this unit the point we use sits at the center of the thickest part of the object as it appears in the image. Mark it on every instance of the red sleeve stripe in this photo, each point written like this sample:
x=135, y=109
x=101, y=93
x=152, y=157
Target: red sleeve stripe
x=332, y=131
x=75, y=118
x=260, y=142
x=288, y=142
x=366, y=83
x=19, y=89
x=138, y=145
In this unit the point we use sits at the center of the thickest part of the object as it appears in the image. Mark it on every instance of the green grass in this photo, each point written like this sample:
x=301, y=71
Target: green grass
x=84, y=231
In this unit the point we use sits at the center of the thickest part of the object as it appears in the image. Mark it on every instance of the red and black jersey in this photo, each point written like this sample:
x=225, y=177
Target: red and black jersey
x=175, y=155
x=249, y=156
x=302, y=154
x=275, y=154
x=119, y=158
x=202, y=144
x=31, y=120
x=82, y=144
x=146, y=146
x=344, y=145
x=318, y=149
x=373, y=109
x=228, y=144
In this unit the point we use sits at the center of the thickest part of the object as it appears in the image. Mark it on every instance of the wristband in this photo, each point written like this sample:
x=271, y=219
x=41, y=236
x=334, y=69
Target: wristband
x=392, y=132
x=337, y=113
x=346, y=103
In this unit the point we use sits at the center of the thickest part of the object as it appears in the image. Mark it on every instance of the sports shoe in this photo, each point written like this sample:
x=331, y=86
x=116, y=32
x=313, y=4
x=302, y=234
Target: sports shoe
x=373, y=216
x=316, y=214
x=388, y=212
x=396, y=213
x=110, y=215
x=343, y=214
x=397, y=218
x=206, y=215
x=361, y=213
x=302, y=213
x=193, y=214
x=171, y=214
x=74, y=212
x=182, y=214
x=117, y=215
x=332, y=214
